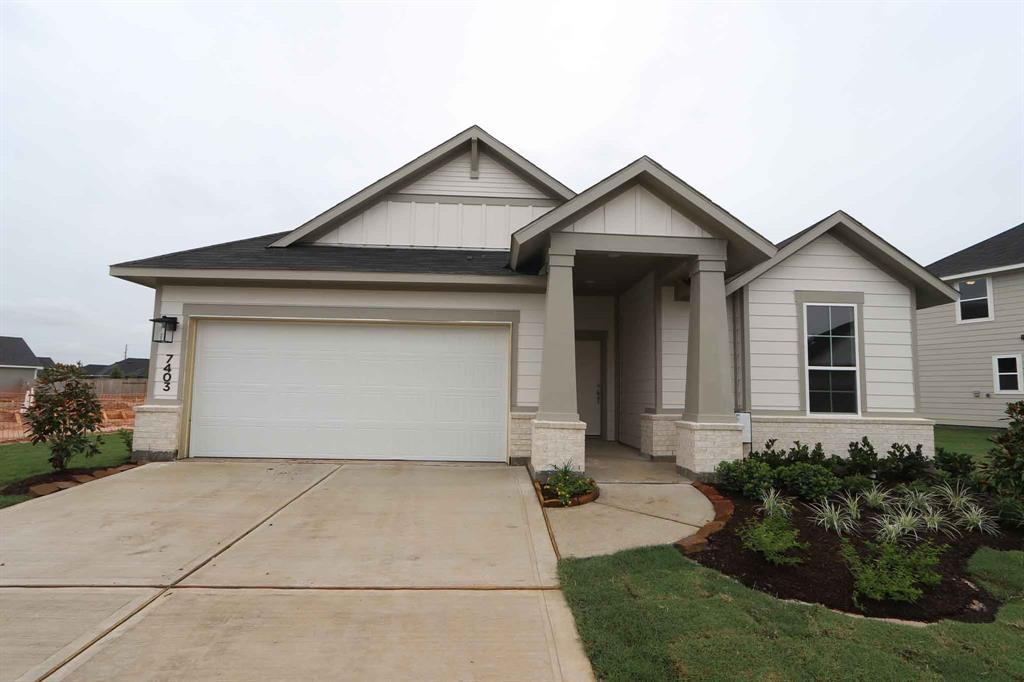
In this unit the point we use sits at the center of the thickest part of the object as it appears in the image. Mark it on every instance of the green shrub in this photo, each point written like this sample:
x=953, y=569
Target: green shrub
x=1004, y=470
x=903, y=463
x=774, y=537
x=807, y=481
x=891, y=571
x=64, y=412
x=862, y=458
x=749, y=477
x=568, y=483
x=1010, y=511
x=769, y=455
x=857, y=483
x=126, y=436
x=955, y=464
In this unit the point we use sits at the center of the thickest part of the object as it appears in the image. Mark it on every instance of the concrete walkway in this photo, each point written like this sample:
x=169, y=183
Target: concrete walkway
x=249, y=570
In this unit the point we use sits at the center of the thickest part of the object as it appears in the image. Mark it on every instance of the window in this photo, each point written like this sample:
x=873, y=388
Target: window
x=831, y=332
x=975, y=300
x=1006, y=373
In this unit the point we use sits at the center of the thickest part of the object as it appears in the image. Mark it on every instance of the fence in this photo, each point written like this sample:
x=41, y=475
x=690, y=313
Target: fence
x=118, y=411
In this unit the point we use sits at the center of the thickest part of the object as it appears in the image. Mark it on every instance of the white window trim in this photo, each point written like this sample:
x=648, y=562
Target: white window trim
x=996, y=373
x=855, y=369
x=988, y=297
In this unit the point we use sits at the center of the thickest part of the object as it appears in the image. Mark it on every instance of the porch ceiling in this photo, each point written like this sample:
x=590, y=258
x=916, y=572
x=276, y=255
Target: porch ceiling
x=602, y=274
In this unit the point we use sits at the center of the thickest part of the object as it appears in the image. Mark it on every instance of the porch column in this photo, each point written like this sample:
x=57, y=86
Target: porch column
x=709, y=432
x=558, y=433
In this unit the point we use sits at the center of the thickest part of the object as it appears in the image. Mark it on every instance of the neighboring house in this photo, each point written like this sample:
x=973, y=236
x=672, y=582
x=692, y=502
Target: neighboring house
x=129, y=368
x=18, y=365
x=46, y=362
x=469, y=306
x=970, y=350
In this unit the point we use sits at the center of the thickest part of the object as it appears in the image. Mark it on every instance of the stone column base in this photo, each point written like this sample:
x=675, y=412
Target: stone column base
x=156, y=433
x=555, y=443
x=520, y=438
x=701, y=446
x=658, y=437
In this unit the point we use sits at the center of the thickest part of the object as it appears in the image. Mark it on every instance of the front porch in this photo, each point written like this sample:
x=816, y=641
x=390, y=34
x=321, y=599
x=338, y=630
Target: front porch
x=613, y=462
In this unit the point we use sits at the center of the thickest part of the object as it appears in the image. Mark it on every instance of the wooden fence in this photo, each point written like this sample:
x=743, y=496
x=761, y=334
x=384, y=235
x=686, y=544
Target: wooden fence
x=118, y=411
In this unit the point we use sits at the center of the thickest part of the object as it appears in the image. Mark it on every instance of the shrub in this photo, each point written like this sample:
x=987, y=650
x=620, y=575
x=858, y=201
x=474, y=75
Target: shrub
x=832, y=516
x=954, y=495
x=857, y=483
x=63, y=414
x=876, y=497
x=937, y=521
x=852, y=504
x=955, y=464
x=916, y=498
x=1004, y=470
x=772, y=502
x=903, y=463
x=891, y=571
x=1010, y=511
x=769, y=455
x=126, y=436
x=774, y=537
x=898, y=524
x=749, y=477
x=568, y=483
x=862, y=458
x=807, y=481
x=974, y=517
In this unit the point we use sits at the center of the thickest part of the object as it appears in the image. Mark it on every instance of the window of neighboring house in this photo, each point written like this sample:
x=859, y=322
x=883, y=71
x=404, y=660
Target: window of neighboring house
x=1006, y=373
x=975, y=300
x=831, y=337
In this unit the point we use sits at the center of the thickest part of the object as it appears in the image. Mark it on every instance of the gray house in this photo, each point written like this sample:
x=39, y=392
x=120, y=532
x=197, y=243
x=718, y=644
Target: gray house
x=18, y=365
x=970, y=350
x=469, y=306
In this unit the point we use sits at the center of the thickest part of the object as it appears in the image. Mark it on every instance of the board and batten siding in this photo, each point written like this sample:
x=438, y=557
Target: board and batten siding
x=955, y=360
x=637, y=211
x=675, y=334
x=637, y=366
x=529, y=306
x=493, y=180
x=827, y=264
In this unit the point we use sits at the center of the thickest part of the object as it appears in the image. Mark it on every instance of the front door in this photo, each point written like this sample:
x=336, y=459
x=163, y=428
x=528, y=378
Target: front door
x=588, y=383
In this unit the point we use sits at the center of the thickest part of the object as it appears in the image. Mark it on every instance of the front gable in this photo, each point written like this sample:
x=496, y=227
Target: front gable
x=637, y=210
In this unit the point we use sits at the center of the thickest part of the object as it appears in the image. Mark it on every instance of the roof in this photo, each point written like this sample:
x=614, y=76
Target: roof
x=252, y=253
x=1003, y=250
x=929, y=289
x=131, y=368
x=469, y=138
x=45, y=361
x=746, y=246
x=14, y=352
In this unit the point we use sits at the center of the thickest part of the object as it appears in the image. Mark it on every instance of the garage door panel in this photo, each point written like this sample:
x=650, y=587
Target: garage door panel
x=349, y=390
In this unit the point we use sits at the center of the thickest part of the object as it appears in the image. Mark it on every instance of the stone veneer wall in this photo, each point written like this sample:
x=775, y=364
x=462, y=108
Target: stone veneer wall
x=658, y=437
x=702, y=446
x=520, y=437
x=555, y=443
x=835, y=435
x=156, y=433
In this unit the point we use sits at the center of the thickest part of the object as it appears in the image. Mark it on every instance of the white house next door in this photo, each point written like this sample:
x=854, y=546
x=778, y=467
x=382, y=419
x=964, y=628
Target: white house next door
x=350, y=390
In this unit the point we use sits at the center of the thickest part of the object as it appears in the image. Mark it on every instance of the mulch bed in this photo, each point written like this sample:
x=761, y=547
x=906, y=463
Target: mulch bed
x=52, y=481
x=549, y=498
x=823, y=577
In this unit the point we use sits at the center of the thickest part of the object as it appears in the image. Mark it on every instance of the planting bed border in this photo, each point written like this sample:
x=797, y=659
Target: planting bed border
x=55, y=481
x=574, y=502
x=724, y=508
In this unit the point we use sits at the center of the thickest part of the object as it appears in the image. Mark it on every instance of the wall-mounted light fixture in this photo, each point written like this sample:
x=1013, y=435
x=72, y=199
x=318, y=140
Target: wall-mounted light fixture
x=163, y=328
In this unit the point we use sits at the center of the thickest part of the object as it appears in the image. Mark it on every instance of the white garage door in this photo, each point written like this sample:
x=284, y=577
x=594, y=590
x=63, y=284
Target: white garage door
x=350, y=391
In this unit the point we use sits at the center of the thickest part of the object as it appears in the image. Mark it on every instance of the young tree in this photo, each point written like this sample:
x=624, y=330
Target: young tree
x=64, y=414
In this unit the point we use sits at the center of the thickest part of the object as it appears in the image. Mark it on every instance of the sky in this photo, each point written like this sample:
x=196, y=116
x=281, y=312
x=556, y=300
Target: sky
x=133, y=129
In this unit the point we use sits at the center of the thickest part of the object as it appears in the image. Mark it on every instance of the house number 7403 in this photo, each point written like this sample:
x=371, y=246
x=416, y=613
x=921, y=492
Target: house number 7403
x=167, y=372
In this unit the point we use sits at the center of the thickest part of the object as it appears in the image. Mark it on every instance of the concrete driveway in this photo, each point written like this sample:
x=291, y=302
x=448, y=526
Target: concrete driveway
x=240, y=570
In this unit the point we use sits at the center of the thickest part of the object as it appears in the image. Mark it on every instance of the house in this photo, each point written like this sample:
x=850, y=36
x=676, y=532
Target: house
x=18, y=365
x=129, y=368
x=970, y=352
x=469, y=306
x=46, y=361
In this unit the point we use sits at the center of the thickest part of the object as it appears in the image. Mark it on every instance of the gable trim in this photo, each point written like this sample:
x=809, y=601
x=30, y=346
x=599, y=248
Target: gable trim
x=408, y=172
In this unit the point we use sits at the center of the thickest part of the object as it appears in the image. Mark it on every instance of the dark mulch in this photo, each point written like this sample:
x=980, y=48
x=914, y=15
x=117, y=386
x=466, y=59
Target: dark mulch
x=823, y=577
x=21, y=487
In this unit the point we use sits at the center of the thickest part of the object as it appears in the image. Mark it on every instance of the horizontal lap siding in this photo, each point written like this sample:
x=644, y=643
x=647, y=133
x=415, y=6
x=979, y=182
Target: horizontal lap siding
x=955, y=360
x=829, y=265
x=675, y=333
x=529, y=306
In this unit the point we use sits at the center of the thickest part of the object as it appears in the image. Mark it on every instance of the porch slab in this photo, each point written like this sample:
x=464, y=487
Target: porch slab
x=42, y=627
x=243, y=634
x=682, y=503
x=611, y=462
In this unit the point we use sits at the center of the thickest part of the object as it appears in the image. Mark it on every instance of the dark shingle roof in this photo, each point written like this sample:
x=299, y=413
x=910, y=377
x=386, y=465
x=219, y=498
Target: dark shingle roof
x=1006, y=248
x=45, y=361
x=131, y=368
x=254, y=254
x=14, y=351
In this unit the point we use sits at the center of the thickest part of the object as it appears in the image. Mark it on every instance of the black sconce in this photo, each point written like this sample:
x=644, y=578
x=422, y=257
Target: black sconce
x=163, y=328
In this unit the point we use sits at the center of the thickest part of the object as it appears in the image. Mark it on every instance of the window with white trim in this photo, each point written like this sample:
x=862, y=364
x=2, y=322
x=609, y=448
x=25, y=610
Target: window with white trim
x=975, y=303
x=831, y=344
x=1006, y=374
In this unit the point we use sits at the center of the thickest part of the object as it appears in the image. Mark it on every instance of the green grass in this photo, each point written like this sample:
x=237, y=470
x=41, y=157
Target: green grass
x=972, y=440
x=19, y=461
x=651, y=614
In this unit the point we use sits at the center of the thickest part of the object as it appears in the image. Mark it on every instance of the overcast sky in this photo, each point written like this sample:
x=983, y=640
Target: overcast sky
x=130, y=130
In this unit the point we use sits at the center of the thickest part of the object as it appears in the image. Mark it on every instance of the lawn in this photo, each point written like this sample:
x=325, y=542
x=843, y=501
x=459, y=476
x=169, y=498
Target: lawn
x=652, y=614
x=969, y=439
x=19, y=461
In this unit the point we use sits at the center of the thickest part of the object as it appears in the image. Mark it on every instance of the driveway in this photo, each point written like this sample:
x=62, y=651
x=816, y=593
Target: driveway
x=241, y=570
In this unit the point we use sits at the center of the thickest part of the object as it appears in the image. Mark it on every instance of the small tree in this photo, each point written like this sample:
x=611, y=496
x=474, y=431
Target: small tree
x=1004, y=470
x=65, y=411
